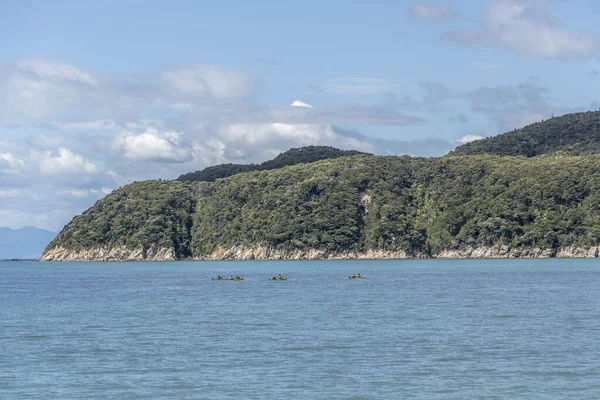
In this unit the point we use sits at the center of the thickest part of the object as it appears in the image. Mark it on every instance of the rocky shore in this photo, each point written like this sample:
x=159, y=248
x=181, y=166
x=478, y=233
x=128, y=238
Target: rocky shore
x=266, y=253
x=105, y=254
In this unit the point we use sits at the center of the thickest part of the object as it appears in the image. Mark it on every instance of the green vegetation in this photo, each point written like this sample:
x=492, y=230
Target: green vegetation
x=492, y=192
x=211, y=174
x=140, y=215
x=572, y=134
x=420, y=206
x=301, y=155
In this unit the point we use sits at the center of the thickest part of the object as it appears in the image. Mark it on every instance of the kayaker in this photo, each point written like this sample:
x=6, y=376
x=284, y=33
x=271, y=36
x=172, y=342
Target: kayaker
x=359, y=276
x=353, y=276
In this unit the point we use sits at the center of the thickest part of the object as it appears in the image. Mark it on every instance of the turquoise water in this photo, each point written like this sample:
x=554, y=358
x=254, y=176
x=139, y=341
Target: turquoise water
x=431, y=329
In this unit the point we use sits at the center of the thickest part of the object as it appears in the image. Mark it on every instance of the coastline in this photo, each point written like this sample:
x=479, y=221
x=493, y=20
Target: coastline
x=241, y=253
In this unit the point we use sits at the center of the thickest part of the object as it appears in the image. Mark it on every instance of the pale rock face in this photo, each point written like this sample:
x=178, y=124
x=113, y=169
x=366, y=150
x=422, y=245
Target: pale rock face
x=260, y=252
x=114, y=254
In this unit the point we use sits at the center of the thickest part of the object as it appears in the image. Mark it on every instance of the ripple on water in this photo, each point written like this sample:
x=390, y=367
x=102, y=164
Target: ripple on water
x=430, y=329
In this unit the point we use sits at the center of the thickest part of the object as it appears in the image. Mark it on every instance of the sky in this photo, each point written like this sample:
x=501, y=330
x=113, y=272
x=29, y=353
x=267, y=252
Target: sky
x=95, y=94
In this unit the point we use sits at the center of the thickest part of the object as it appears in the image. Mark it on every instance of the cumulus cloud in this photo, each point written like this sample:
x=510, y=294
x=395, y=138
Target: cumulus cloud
x=432, y=11
x=526, y=27
x=153, y=145
x=45, y=186
x=65, y=162
x=86, y=134
x=38, y=88
x=9, y=164
x=469, y=138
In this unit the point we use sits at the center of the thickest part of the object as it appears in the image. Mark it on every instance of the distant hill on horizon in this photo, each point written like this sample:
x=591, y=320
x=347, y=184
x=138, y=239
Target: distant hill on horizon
x=299, y=155
x=576, y=134
x=24, y=243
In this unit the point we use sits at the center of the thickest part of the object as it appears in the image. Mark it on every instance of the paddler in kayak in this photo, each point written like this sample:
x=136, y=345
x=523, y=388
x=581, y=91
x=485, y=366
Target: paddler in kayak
x=356, y=276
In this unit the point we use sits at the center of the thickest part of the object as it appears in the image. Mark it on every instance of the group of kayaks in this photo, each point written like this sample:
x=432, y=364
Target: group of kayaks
x=231, y=278
x=356, y=276
x=274, y=278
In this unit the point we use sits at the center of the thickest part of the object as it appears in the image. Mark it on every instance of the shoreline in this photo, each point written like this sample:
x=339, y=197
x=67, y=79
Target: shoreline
x=260, y=253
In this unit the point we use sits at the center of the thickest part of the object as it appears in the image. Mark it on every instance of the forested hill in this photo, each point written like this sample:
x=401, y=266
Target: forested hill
x=369, y=205
x=295, y=156
x=571, y=134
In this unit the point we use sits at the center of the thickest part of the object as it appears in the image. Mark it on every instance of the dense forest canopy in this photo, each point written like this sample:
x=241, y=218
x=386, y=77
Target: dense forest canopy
x=420, y=206
x=295, y=156
x=572, y=134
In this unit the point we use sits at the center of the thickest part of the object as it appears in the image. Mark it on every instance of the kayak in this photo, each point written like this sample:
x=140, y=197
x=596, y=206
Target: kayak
x=237, y=279
x=278, y=279
x=357, y=277
x=220, y=279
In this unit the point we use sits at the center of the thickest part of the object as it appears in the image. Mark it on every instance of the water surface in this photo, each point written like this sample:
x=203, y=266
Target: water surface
x=413, y=329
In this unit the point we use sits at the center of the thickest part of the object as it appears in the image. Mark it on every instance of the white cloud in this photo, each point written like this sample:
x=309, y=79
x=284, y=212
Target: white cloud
x=298, y=103
x=144, y=124
x=56, y=71
x=65, y=162
x=9, y=164
x=469, y=138
x=154, y=145
x=89, y=125
x=526, y=27
x=78, y=193
x=208, y=81
x=432, y=11
x=98, y=134
x=255, y=141
x=263, y=133
x=42, y=89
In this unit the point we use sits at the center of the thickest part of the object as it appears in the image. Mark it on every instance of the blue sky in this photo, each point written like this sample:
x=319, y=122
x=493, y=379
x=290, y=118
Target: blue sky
x=95, y=94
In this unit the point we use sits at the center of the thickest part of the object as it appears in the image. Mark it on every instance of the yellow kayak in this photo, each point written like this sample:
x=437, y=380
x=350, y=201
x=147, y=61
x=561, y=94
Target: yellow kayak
x=279, y=279
x=237, y=279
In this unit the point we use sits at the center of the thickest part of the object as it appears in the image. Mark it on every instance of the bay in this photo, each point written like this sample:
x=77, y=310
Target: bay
x=431, y=329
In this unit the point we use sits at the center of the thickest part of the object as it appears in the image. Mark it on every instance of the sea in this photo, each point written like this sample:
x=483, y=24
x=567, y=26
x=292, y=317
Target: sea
x=413, y=329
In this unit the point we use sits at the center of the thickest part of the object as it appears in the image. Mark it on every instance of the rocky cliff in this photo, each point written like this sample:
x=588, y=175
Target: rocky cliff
x=266, y=253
